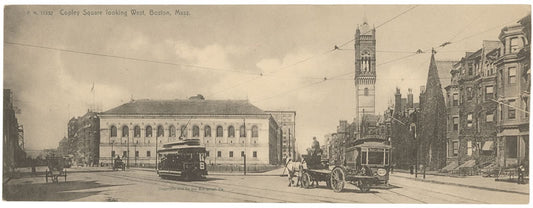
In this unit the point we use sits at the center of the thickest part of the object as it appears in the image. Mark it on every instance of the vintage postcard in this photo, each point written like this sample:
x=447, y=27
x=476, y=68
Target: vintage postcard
x=364, y=104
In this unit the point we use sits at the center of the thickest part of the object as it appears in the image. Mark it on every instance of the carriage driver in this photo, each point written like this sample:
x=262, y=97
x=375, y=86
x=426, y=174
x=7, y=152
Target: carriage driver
x=315, y=147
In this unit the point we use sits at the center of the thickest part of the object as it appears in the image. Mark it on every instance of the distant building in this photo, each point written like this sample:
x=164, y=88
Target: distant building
x=287, y=122
x=13, y=154
x=403, y=143
x=83, y=140
x=229, y=129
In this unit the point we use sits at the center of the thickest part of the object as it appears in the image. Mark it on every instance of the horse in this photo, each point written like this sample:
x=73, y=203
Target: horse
x=293, y=169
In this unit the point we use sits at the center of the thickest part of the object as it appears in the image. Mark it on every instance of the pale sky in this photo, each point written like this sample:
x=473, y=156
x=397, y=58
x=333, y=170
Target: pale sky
x=234, y=45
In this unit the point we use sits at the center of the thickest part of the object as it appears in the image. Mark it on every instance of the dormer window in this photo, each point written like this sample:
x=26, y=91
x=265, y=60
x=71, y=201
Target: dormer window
x=516, y=45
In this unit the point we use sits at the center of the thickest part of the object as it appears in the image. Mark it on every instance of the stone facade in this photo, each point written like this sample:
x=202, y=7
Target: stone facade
x=365, y=71
x=241, y=129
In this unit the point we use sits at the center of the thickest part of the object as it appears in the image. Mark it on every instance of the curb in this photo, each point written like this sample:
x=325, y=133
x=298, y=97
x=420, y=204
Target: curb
x=463, y=185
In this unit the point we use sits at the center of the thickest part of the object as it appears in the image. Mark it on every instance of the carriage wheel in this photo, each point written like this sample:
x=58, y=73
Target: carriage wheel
x=363, y=186
x=306, y=180
x=337, y=179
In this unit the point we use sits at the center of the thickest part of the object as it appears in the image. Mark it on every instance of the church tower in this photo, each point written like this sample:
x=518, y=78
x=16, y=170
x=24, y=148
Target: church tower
x=365, y=70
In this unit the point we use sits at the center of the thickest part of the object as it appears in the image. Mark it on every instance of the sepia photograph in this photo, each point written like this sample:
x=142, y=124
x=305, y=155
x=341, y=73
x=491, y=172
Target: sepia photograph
x=347, y=103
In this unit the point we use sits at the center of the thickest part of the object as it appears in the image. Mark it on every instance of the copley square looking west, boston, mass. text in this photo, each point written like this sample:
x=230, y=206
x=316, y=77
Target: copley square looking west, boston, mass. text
x=112, y=12
x=391, y=104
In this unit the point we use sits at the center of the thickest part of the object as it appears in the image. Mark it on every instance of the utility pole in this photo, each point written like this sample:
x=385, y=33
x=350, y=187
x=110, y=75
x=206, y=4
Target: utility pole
x=290, y=143
x=156, y=154
x=128, y=155
x=245, y=137
x=112, y=155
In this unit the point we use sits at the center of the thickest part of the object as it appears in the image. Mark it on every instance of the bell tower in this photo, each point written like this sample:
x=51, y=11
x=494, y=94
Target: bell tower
x=365, y=70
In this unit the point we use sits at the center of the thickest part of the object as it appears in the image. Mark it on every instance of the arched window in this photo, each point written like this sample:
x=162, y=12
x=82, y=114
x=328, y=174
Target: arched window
x=172, y=131
x=231, y=131
x=207, y=131
x=242, y=131
x=113, y=131
x=366, y=91
x=195, y=131
x=220, y=131
x=136, y=131
x=183, y=131
x=255, y=131
x=148, y=131
x=160, y=131
x=125, y=131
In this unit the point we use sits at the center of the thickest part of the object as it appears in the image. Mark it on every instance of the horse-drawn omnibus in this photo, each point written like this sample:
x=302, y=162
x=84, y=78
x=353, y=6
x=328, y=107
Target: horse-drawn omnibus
x=184, y=159
x=364, y=164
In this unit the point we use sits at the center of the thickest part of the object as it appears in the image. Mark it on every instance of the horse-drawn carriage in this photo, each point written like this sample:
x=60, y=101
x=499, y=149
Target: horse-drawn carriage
x=364, y=165
x=57, y=167
x=118, y=164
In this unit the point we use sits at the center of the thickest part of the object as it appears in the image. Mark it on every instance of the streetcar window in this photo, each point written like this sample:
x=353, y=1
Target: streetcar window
x=363, y=157
x=375, y=157
x=386, y=157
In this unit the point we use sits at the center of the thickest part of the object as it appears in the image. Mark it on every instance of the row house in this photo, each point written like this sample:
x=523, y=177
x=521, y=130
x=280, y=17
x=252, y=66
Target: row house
x=487, y=101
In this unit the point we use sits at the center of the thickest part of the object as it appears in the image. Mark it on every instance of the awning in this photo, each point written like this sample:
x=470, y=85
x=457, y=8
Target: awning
x=512, y=132
x=468, y=164
x=487, y=146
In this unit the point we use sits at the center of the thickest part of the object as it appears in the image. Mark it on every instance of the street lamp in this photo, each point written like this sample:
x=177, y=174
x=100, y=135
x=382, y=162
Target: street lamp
x=412, y=128
x=112, y=153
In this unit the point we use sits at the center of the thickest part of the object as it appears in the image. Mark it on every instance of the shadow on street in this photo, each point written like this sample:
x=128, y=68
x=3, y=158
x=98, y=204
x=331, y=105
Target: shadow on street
x=63, y=191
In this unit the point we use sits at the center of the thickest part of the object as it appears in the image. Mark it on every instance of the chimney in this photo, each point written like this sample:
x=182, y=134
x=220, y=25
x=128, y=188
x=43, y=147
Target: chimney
x=410, y=98
x=397, y=101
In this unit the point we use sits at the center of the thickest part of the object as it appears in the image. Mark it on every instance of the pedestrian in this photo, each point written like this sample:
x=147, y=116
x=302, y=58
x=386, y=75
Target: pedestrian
x=33, y=171
x=392, y=167
x=411, y=169
x=521, y=170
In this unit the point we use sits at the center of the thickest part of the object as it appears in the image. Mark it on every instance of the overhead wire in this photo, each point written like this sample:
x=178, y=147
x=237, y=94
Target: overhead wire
x=129, y=58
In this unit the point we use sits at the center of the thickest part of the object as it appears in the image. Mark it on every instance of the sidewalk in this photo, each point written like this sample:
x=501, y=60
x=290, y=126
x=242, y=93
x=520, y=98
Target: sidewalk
x=479, y=182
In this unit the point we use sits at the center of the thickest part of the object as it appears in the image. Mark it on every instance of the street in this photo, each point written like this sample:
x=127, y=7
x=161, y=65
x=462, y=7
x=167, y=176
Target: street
x=138, y=185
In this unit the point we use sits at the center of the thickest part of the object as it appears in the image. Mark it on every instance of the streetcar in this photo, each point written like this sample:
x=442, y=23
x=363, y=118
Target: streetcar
x=371, y=156
x=364, y=164
x=184, y=159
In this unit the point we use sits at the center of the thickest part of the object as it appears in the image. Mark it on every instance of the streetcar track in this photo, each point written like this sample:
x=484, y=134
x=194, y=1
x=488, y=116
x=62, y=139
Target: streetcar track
x=296, y=193
x=452, y=195
x=196, y=186
x=278, y=191
x=423, y=202
x=383, y=198
x=166, y=185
